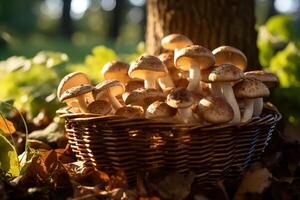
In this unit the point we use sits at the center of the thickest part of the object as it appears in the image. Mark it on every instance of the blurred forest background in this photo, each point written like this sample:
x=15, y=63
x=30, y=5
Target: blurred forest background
x=49, y=38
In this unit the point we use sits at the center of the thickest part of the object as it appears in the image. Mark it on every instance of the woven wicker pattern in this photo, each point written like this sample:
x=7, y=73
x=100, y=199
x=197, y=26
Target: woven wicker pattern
x=212, y=152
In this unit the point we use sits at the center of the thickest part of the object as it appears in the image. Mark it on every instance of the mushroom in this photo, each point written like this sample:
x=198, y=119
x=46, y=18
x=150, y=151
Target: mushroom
x=134, y=84
x=149, y=68
x=230, y=55
x=166, y=83
x=77, y=93
x=250, y=89
x=131, y=112
x=160, y=111
x=71, y=80
x=182, y=99
x=221, y=78
x=152, y=95
x=192, y=59
x=214, y=89
x=113, y=88
x=116, y=70
x=215, y=110
x=269, y=79
x=134, y=97
x=143, y=97
x=99, y=107
x=174, y=42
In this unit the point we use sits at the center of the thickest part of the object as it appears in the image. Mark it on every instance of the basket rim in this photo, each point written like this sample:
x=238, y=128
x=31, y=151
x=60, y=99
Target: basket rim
x=270, y=113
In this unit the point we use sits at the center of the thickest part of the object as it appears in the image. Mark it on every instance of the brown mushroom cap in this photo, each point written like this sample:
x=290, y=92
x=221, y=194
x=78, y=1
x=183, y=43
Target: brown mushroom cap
x=116, y=70
x=71, y=80
x=228, y=54
x=194, y=54
x=225, y=73
x=76, y=91
x=215, y=110
x=269, y=79
x=175, y=41
x=130, y=112
x=151, y=95
x=147, y=66
x=167, y=59
x=180, y=98
x=250, y=88
x=134, y=84
x=115, y=87
x=99, y=107
x=205, y=74
x=135, y=97
x=159, y=110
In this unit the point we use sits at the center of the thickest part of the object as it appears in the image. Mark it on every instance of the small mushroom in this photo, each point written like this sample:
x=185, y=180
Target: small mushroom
x=116, y=70
x=161, y=111
x=250, y=89
x=182, y=100
x=192, y=59
x=130, y=112
x=215, y=110
x=113, y=88
x=135, y=97
x=166, y=83
x=134, y=84
x=71, y=80
x=77, y=93
x=269, y=79
x=214, y=89
x=149, y=68
x=174, y=42
x=152, y=95
x=230, y=55
x=99, y=107
x=222, y=77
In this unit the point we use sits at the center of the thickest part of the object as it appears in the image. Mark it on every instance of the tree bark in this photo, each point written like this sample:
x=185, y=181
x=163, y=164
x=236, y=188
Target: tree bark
x=66, y=21
x=209, y=23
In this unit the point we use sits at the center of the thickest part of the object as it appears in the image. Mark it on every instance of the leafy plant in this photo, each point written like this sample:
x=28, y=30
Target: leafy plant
x=279, y=45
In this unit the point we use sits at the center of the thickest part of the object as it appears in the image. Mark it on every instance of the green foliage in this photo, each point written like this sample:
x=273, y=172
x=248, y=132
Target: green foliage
x=94, y=62
x=32, y=82
x=286, y=65
x=8, y=157
x=279, y=45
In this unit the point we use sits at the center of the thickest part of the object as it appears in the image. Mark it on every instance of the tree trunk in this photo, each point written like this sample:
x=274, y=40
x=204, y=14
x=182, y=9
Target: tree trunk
x=66, y=21
x=209, y=23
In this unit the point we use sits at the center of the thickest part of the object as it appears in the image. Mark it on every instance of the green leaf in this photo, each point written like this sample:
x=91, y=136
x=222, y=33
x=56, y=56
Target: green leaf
x=8, y=157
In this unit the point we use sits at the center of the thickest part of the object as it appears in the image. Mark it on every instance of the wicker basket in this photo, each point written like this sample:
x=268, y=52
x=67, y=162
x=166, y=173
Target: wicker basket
x=212, y=152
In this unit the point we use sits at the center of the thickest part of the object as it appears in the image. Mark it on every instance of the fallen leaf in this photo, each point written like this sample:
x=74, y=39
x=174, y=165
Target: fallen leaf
x=6, y=126
x=8, y=157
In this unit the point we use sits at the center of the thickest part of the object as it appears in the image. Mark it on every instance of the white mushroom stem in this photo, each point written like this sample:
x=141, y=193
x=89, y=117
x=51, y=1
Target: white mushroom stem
x=186, y=115
x=258, y=106
x=101, y=96
x=114, y=101
x=166, y=82
x=230, y=98
x=215, y=89
x=248, y=110
x=73, y=105
x=194, y=75
x=150, y=82
x=82, y=103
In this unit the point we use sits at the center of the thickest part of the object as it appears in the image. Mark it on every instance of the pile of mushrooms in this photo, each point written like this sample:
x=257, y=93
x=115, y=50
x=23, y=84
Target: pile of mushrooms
x=186, y=84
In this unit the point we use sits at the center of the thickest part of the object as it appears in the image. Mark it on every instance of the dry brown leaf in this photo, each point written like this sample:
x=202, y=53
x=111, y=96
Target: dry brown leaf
x=7, y=126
